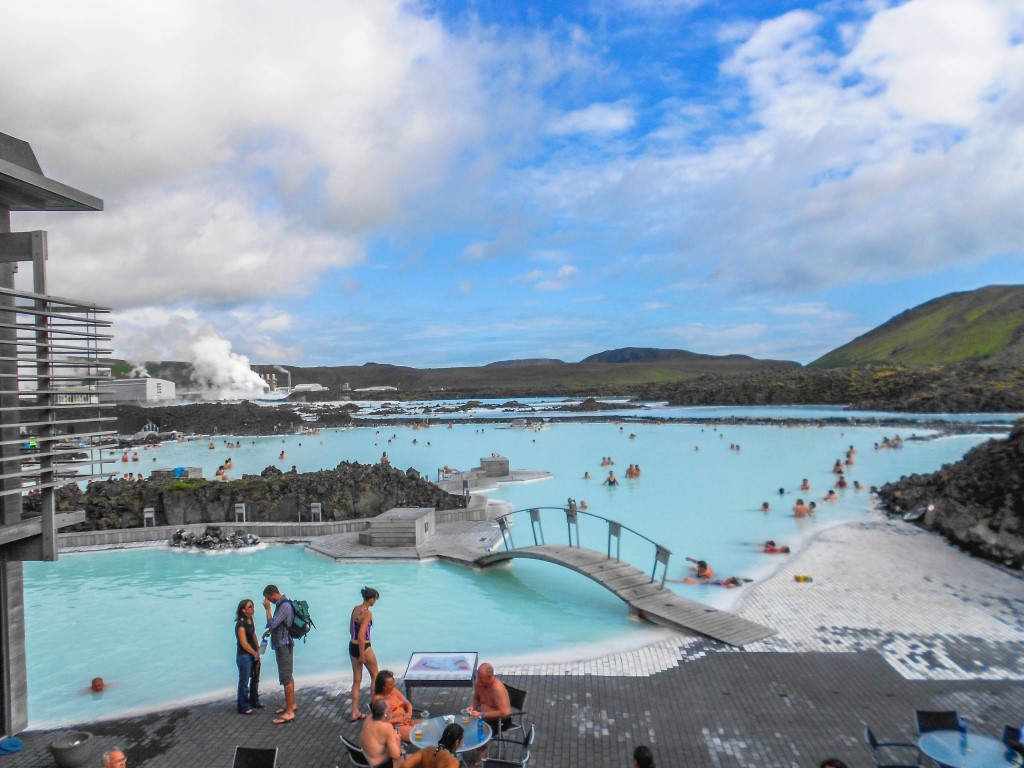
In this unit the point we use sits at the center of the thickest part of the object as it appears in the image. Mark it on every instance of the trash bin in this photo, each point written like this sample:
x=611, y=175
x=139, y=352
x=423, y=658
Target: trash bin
x=74, y=749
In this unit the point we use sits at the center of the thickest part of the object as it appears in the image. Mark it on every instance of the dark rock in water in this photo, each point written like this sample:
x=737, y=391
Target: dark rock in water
x=271, y=471
x=977, y=503
x=214, y=538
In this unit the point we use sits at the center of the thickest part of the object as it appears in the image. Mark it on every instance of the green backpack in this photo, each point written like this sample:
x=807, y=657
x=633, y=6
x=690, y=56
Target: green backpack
x=302, y=621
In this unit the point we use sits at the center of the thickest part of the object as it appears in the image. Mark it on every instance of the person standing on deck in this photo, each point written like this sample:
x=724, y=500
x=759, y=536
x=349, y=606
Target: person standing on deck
x=284, y=647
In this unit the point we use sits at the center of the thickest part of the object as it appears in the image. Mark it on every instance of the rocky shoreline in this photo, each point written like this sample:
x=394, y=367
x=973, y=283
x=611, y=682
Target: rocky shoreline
x=350, y=491
x=977, y=503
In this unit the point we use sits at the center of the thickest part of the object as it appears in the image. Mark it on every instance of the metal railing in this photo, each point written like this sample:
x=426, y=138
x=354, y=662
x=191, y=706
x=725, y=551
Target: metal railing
x=572, y=522
x=50, y=362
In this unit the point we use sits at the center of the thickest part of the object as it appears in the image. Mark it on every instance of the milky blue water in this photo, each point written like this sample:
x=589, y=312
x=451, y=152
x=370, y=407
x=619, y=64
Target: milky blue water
x=158, y=624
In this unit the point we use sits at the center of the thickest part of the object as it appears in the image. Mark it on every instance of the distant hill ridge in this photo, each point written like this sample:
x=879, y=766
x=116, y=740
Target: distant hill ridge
x=651, y=354
x=986, y=324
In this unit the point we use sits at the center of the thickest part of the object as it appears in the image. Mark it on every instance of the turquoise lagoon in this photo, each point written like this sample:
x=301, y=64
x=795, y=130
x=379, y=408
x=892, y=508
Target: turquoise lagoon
x=158, y=623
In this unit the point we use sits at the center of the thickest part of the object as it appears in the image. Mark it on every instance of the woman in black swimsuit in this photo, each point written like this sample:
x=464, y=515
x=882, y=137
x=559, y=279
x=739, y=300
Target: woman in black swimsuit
x=359, y=651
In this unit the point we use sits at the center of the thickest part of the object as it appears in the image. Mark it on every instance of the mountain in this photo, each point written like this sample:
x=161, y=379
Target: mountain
x=986, y=324
x=651, y=355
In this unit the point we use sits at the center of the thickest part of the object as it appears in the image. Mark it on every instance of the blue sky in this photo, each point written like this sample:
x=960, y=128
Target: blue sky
x=436, y=183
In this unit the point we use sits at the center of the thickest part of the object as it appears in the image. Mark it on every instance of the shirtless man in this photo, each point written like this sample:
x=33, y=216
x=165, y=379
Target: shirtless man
x=800, y=509
x=490, y=698
x=379, y=739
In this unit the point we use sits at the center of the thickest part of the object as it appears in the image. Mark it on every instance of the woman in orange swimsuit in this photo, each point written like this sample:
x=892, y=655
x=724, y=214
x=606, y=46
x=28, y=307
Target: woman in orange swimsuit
x=399, y=707
x=359, y=650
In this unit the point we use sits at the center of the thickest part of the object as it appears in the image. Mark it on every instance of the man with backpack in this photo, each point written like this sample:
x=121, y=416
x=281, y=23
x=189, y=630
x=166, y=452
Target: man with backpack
x=284, y=646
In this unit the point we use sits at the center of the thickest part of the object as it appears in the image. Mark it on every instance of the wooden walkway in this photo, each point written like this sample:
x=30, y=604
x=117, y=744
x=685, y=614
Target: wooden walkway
x=644, y=597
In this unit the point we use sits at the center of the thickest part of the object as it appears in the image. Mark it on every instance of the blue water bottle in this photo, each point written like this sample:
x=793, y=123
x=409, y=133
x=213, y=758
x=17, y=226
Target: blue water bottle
x=963, y=733
x=480, y=726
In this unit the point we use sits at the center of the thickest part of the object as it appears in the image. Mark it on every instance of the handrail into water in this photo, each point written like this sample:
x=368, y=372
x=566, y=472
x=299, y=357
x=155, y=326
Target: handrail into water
x=572, y=512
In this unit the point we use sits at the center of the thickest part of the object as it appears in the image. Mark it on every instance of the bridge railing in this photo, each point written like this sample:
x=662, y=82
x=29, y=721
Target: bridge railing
x=615, y=533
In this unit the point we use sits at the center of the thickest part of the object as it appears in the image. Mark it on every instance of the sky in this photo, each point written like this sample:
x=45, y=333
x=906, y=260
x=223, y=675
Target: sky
x=433, y=184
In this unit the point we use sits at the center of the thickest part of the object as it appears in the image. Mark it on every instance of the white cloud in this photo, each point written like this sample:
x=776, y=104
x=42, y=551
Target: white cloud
x=229, y=137
x=936, y=60
x=597, y=119
x=191, y=245
x=560, y=280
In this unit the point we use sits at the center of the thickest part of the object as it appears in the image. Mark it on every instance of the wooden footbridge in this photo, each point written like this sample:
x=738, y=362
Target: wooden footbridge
x=644, y=593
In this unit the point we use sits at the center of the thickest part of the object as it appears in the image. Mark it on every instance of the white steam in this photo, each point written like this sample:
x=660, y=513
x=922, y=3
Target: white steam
x=220, y=373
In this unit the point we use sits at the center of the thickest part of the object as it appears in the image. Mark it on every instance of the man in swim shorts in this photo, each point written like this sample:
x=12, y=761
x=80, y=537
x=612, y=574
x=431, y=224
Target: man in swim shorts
x=284, y=647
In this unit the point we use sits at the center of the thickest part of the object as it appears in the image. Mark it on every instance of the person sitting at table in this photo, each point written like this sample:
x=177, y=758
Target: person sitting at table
x=490, y=699
x=399, y=707
x=379, y=740
x=643, y=757
x=444, y=754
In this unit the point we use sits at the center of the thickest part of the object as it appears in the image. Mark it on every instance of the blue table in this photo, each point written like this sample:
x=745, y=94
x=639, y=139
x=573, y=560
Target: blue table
x=434, y=727
x=980, y=751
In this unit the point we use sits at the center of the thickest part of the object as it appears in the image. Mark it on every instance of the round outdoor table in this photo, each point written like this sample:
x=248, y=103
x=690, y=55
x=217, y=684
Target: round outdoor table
x=434, y=727
x=980, y=751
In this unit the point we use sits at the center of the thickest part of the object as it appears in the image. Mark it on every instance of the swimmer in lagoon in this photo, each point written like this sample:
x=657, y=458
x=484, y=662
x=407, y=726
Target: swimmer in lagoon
x=611, y=479
x=704, y=571
x=804, y=485
x=771, y=548
x=800, y=509
x=765, y=507
x=830, y=496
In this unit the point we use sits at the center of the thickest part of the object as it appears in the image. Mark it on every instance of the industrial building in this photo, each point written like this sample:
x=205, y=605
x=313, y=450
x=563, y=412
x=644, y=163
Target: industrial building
x=141, y=390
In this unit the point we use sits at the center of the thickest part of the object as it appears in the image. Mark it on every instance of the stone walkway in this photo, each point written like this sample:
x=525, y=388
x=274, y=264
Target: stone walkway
x=895, y=620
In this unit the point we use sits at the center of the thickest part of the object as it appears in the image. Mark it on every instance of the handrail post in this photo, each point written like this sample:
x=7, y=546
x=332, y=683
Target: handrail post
x=535, y=523
x=614, y=529
x=572, y=520
x=661, y=555
x=503, y=527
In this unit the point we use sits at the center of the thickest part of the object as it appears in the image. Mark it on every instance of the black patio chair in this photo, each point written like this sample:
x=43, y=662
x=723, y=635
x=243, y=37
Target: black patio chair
x=945, y=720
x=511, y=753
x=355, y=753
x=255, y=757
x=1011, y=738
x=514, y=722
x=882, y=750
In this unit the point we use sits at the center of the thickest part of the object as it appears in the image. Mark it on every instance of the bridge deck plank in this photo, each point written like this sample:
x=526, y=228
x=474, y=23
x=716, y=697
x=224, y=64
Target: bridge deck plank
x=635, y=588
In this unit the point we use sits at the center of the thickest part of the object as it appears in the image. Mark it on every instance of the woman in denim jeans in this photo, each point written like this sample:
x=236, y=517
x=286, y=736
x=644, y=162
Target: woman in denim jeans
x=247, y=657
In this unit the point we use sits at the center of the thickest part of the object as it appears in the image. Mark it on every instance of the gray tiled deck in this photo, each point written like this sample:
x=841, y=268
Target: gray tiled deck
x=722, y=710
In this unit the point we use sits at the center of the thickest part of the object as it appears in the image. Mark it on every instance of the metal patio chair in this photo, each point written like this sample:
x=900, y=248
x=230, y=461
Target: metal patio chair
x=880, y=750
x=511, y=753
x=255, y=757
x=355, y=753
x=937, y=720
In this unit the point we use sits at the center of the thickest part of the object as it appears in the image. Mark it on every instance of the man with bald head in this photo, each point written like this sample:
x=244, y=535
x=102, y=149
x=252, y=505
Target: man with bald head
x=491, y=699
x=114, y=759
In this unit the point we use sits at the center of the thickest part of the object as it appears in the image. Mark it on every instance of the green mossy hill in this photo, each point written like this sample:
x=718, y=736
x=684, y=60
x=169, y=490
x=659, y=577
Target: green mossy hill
x=977, y=503
x=969, y=387
x=986, y=324
x=348, y=492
